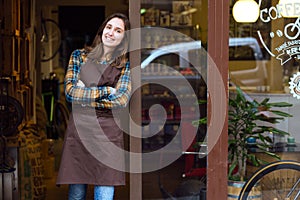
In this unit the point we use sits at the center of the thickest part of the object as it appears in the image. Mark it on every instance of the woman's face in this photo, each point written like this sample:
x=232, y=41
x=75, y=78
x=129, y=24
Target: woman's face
x=113, y=33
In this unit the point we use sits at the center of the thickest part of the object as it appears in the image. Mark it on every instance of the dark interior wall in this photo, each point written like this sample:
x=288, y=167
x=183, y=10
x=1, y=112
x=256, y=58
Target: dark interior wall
x=81, y=20
x=78, y=25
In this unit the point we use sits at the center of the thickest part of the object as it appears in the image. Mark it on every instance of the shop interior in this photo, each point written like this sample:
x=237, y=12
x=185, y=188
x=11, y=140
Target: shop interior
x=37, y=38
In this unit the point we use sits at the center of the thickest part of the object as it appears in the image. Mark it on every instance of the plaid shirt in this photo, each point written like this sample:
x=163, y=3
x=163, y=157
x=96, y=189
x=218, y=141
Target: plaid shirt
x=95, y=96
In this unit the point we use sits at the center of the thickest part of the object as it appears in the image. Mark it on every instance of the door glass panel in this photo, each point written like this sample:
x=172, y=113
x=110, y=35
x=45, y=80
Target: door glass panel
x=264, y=64
x=173, y=40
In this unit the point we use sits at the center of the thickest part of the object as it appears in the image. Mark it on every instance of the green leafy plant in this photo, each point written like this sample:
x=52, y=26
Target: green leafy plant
x=245, y=117
x=249, y=118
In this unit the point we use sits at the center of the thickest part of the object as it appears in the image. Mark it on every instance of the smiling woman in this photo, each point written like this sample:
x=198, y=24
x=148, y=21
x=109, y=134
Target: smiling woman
x=112, y=36
x=97, y=82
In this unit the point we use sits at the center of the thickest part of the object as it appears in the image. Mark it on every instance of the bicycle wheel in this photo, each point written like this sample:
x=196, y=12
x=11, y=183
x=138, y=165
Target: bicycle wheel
x=11, y=115
x=51, y=39
x=60, y=118
x=277, y=180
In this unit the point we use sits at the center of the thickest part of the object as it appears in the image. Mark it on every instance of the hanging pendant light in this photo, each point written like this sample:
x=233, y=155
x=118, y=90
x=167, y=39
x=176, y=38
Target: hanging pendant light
x=245, y=11
x=289, y=8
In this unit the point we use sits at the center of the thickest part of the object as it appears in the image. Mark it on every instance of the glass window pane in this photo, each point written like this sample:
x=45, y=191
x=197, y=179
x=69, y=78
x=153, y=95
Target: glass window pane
x=264, y=64
x=174, y=96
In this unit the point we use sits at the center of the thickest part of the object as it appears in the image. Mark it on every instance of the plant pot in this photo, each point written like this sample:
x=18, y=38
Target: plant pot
x=235, y=187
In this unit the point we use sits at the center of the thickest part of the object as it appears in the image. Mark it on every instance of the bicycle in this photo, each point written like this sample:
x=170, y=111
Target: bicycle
x=57, y=112
x=50, y=39
x=11, y=110
x=11, y=116
x=279, y=180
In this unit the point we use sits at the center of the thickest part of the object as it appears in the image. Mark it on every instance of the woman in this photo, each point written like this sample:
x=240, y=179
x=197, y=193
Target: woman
x=97, y=80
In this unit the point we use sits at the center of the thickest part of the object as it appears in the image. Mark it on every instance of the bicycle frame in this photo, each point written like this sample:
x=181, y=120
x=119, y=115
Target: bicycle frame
x=51, y=105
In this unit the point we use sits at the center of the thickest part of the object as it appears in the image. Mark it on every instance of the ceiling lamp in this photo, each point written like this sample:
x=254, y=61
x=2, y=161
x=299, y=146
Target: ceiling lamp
x=289, y=8
x=245, y=11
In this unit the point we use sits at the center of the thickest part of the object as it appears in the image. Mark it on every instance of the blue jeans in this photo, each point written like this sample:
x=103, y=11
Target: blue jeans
x=78, y=192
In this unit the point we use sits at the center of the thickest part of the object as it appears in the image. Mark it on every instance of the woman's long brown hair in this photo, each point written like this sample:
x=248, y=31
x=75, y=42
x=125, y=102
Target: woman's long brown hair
x=119, y=55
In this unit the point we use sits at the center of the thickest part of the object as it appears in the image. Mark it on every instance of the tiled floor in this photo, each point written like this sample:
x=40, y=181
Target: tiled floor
x=170, y=178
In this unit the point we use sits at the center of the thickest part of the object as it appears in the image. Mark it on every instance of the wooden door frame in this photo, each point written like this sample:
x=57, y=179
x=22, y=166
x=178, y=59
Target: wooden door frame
x=218, y=36
x=135, y=143
x=218, y=48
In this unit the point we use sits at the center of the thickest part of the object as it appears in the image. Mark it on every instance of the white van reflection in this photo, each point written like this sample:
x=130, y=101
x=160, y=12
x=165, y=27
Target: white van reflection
x=181, y=49
x=246, y=65
x=176, y=63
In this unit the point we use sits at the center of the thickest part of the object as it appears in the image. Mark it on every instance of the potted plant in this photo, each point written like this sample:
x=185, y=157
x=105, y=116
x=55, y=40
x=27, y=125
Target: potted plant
x=247, y=120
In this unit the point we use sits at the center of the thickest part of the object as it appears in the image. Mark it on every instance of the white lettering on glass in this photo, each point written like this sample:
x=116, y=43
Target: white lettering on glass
x=289, y=49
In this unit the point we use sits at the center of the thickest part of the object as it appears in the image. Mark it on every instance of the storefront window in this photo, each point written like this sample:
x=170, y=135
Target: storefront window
x=264, y=64
x=174, y=92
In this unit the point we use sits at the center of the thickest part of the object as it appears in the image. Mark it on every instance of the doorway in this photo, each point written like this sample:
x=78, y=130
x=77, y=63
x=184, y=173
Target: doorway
x=79, y=25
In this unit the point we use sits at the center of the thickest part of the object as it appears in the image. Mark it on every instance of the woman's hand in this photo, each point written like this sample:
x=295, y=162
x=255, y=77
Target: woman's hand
x=80, y=83
x=112, y=90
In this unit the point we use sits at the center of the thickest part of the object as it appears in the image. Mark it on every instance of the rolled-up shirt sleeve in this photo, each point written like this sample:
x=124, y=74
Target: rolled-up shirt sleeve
x=77, y=94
